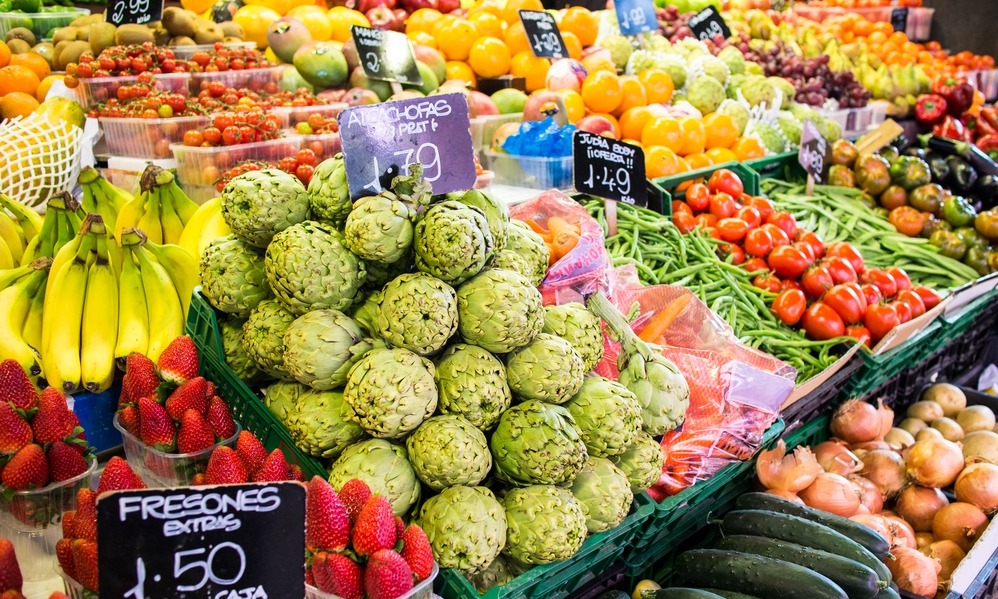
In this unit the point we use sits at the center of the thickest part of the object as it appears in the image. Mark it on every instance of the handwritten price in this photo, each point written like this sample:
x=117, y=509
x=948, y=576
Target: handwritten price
x=713, y=30
x=182, y=565
x=549, y=44
x=427, y=154
x=618, y=181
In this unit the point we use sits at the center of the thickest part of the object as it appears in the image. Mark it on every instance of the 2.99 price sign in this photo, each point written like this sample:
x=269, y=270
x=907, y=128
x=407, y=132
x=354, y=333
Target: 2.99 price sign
x=226, y=542
x=609, y=168
x=134, y=11
x=386, y=55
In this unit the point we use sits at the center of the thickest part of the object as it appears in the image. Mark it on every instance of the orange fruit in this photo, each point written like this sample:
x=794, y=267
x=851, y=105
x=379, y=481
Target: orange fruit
x=694, y=136
x=658, y=86
x=441, y=21
x=516, y=38
x=422, y=38
x=488, y=24
x=572, y=44
x=17, y=104
x=662, y=131
x=511, y=12
x=33, y=61
x=422, y=19
x=45, y=85
x=613, y=121
x=454, y=39
x=255, y=19
x=315, y=20
x=747, y=148
x=721, y=155
x=660, y=162
x=573, y=104
x=633, y=142
x=341, y=19
x=633, y=120
x=491, y=6
x=462, y=72
x=15, y=78
x=598, y=62
x=633, y=94
x=601, y=91
x=4, y=54
x=489, y=57
x=721, y=130
x=579, y=21
x=531, y=68
x=698, y=161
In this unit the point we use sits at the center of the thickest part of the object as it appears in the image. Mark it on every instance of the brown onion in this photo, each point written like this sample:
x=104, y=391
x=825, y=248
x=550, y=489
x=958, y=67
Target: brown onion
x=786, y=495
x=948, y=554
x=898, y=438
x=978, y=485
x=981, y=445
x=959, y=522
x=884, y=468
x=856, y=421
x=902, y=535
x=875, y=522
x=934, y=462
x=924, y=539
x=836, y=458
x=793, y=473
x=886, y=417
x=859, y=448
x=832, y=493
x=913, y=572
x=869, y=494
x=918, y=506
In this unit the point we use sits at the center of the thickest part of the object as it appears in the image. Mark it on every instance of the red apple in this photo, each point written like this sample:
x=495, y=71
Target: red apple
x=359, y=96
x=537, y=102
x=597, y=125
x=480, y=104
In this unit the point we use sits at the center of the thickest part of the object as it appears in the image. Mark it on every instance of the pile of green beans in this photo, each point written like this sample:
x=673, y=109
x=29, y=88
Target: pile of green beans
x=836, y=214
x=664, y=256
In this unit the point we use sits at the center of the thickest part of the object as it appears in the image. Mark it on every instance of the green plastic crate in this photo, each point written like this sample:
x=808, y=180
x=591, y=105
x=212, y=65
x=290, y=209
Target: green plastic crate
x=810, y=434
x=246, y=407
x=750, y=179
x=778, y=166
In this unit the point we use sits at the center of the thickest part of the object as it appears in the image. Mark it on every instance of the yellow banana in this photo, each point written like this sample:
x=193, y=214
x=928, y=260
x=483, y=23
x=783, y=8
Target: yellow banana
x=70, y=222
x=66, y=253
x=151, y=222
x=100, y=196
x=181, y=267
x=185, y=206
x=100, y=321
x=10, y=233
x=31, y=329
x=215, y=228
x=192, y=229
x=29, y=221
x=10, y=276
x=173, y=226
x=133, y=316
x=15, y=302
x=129, y=215
x=6, y=256
x=166, y=314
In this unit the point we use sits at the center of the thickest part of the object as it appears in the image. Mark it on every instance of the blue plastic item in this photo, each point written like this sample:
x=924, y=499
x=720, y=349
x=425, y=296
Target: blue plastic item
x=96, y=414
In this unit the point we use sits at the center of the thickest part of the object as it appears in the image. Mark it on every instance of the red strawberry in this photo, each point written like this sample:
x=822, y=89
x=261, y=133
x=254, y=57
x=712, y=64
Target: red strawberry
x=28, y=469
x=338, y=574
x=85, y=522
x=85, y=563
x=58, y=595
x=251, y=450
x=399, y=528
x=194, y=434
x=295, y=472
x=191, y=395
x=10, y=572
x=274, y=468
x=140, y=379
x=387, y=575
x=119, y=476
x=354, y=496
x=156, y=429
x=375, y=527
x=68, y=520
x=78, y=438
x=327, y=524
x=64, y=554
x=52, y=422
x=220, y=419
x=15, y=386
x=15, y=432
x=65, y=462
x=128, y=416
x=416, y=552
x=12, y=594
x=179, y=361
x=198, y=480
x=225, y=467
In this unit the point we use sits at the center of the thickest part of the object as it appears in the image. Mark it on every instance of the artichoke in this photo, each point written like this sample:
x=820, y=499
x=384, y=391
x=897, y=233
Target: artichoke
x=321, y=346
x=259, y=204
x=501, y=571
x=496, y=212
x=391, y=392
x=548, y=368
x=471, y=382
x=531, y=248
x=499, y=310
x=321, y=424
x=263, y=337
x=309, y=268
x=466, y=527
x=281, y=397
x=365, y=314
x=448, y=450
x=417, y=312
x=641, y=462
x=580, y=327
x=608, y=416
x=235, y=356
x=328, y=195
x=379, y=228
x=604, y=493
x=412, y=188
x=453, y=241
x=545, y=524
x=385, y=469
x=510, y=260
x=537, y=442
x=378, y=274
x=232, y=277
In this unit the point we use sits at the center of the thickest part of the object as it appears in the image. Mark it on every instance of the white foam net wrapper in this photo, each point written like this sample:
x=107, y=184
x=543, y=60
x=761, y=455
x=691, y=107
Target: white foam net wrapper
x=38, y=158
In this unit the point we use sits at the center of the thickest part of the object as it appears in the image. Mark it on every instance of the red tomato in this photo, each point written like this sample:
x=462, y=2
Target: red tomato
x=750, y=215
x=763, y=205
x=722, y=205
x=845, y=250
x=791, y=284
x=787, y=261
x=913, y=300
x=779, y=235
x=929, y=297
x=755, y=265
x=882, y=280
x=758, y=243
x=698, y=197
x=789, y=306
x=816, y=281
x=785, y=221
x=681, y=206
x=712, y=233
x=767, y=282
x=821, y=322
x=841, y=269
x=879, y=319
x=815, y=242
x=733, y=253
x=847, y=302
x=806, y=249
x=900, y=277
x=684, y=221
x=732, y=229
x=860, y=333
x=871, y=293
x=902, y=309
x=726, y=181
x=706, y=220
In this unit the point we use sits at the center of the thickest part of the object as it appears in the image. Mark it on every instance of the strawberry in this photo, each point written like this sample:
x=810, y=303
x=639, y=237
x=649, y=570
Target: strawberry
x=77, y=439
x=399, y=528
x=28, y=469
x=12, y=594
x=220, y=419
x=85, y=563
x=10, y=572
x=274, y=468
x=65, y=462
x=194, y=434
x=251, y=450
x=191, y=395
x=156, y=429
x=64, y=555
x=338, y=574
x=387, y=575
x=225, y=467
x=179, y=361
x=327, y=524
x=295, y=473
x=52, y=422
x=140, y=379
x=119, y=476
x=354, y=496
x=58, y=595
x=68, y=520
x=85, y=522
x=128, y=416
x=416, y=552
x=15, y=432
x=15, y=386
x=198, y=480
x=375, y=527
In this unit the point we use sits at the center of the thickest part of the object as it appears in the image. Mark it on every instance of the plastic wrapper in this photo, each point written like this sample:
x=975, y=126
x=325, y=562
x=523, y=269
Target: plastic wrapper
x=541, y=138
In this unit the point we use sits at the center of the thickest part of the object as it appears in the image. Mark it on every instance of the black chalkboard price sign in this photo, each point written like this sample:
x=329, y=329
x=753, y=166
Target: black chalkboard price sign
x=813, y=152
x=899, y=19
x=609, y=169
x=222, y=542
x=386, y=55
x=121, y=12
x=543, y=34
x=708, y=24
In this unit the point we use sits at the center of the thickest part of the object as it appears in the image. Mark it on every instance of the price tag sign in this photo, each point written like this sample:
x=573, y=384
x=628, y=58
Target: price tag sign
x=386, y=55
x=121, y=12
x=543, y=34
x=609, y=168
x=899, y=19
x=813, y=152
x=708, y=24
x=223, y=542
x=635, y=16
x=380, y=141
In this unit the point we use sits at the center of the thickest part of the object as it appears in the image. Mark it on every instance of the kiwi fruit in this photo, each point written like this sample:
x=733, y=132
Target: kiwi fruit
x=102, y=36
x=160, y=35
x=72, y=52
x=21, y=33
x=65, y=33
x=83, y=33
x=178, y=22
x=208, y=33
x=132, y=34
x=181, y=40
x=56, y=51
x=46, y=50
x=231, y=40
x=87, y=20
x=18, y=46
x=232, y=29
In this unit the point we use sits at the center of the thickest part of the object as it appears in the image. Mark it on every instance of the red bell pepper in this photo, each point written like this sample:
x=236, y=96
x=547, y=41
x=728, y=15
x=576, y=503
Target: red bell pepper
x=988, y=143
x=952, y=128
x=930, y=109
x=958, y=93
x=977, y=126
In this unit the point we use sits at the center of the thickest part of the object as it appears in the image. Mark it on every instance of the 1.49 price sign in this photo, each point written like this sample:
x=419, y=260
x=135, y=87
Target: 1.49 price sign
x=134, y=11
x=609, y=168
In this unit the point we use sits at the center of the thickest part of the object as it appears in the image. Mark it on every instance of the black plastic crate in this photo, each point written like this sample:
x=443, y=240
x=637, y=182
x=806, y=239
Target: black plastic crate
x=614, y=579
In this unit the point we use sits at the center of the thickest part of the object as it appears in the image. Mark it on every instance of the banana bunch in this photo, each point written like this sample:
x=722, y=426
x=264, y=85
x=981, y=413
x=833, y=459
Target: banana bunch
x=205, y=226
x=101, y=197
x=161, y=210
x=18, y=226
x=22, y=292
x=59, y=226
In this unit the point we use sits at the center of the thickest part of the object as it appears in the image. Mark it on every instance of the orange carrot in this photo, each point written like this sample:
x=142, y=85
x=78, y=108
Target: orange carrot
x=564, y=236
x=544, y=233
x=654, y=331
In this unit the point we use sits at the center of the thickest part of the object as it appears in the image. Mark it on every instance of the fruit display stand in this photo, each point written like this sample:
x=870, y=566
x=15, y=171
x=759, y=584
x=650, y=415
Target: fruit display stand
x=147, y=138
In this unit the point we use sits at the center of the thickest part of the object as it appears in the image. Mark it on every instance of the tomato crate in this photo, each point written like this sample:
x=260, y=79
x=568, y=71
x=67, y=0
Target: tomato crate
x=247, y=408
x=559, y=580
x=778, y=166
x=750, y=179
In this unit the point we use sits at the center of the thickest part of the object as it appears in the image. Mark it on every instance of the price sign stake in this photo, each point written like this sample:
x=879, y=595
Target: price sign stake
x=121, y=12
x=386, y=55
x=899, y=19
x=635, y=16
x=609, y=168
x=380, y=141
x=813, y=154
x=543, y=34
x=708, y=24
x=223, y=542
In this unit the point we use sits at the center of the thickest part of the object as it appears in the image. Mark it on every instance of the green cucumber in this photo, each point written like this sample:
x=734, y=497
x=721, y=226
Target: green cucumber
x=888, y=593
x=862, y=534
x=731, y=594
x=794, y=529
x=747, y=573
x=679, y=593
x=857, y=580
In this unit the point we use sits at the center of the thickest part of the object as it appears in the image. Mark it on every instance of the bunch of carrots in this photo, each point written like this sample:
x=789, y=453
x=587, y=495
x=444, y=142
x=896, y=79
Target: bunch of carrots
x=560, y=236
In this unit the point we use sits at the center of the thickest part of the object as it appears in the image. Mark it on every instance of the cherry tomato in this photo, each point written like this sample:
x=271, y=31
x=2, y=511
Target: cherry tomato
x=304, y=173
x=847, y=301
x=755, y=265
x=764, y=206
x=913, y=300
x=768, y=282
x=860, y=333
x=193, y=137
x=789, y=306
x=758, y=243
x=779, y=235
x=785, y=221
x=871, y=293
x=821, y=322
x=698, y=197
x=722, y=205
x=929, y=297
x=791, y=284
x=902, y=309
x=787, y=261
x=900, y=277
x=805, y=249
x=733, y=253
x=705, y=220
x=841, y=269
x=750, y=215
x=684, y=221
x=212, y=136
x=732, y=229
x=845, y=250
x=882, y=280
x=815, y=242
x=681, y=206
x=232, y=135
x=725, y=181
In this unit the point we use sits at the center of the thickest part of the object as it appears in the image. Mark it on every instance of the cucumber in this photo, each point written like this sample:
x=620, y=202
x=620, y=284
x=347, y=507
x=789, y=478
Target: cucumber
x=888, y=593
x=679, y=593
x=747, y=573
x=862, y=534
x=731, y=594
x=857, y=580
x=793, y=529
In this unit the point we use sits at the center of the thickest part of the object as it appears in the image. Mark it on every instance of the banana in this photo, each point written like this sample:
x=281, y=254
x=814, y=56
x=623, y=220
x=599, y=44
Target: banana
x=173, y=226
x=193, y=228
x=11, y=235
x=31, y=329
x=166, y=314
x=10, y=276
x=29, y=221
x=100, y=196
x=66, y=253
x=215, y=228
x=151, y=222
x=15, y=302
x=185, y=206
x=6, y=256
x=100, y=320
x=130, y=214
x=133, y=316
x=181, y=267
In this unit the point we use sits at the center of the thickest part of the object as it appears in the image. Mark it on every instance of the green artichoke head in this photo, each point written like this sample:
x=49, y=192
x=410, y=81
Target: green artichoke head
x=545, y=524
x=466, y=527
x=501, y=571
x=531, y=248
x=378, y=274
x=259, y=204
x=365, y=314
x=385, y=469
x=379, y=228
x=233, y=278
x=641, y=462
x=412, y=188
x=471, y=382
x=281, y=398
x=496, y=212
x=448, y=450
x=453, y=241
x=548, y=368
x=321, y=346
x=417, y=312
x=322, y=424
x=391, y=392
x=580, y=327
x=537, y=443
x=608, y=416
x=604, y=494
x=235, y=356
x=499, y=310
x=328, y=195
x=263, y=337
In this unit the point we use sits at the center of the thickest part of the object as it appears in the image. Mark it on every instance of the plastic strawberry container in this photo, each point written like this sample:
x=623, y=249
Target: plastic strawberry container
x=423, y=590
x=97, y=90
x=289, y=116
x=147, y=138
x=253, y=79
x=200, y=166
x=73, y=589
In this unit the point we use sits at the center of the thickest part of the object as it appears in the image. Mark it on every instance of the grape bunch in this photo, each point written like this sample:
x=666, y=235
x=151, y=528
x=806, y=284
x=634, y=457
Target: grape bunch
x=814, y=82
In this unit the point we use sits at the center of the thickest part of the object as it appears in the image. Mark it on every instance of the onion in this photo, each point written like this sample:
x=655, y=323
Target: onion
x=978, y=485
x=786, y=495
x=875, y=522
x=949, y=397
x=928, y=433
x=886, y=417
x=918, y=505
x=948, y=427
x=832, y=493
x=836, y=458
x=793, y=473
x=948, y=554
x=934, y=462
x=856, y=421
x=902, y=534
x=926, y=411
x=924, y=539
x=913, y=572
x=976, y=418
x=885, y=469
x=913, y=425
x=898, y=438
x=860, y=448
x=959, y=522
x=869, y=494
x=981, y=445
